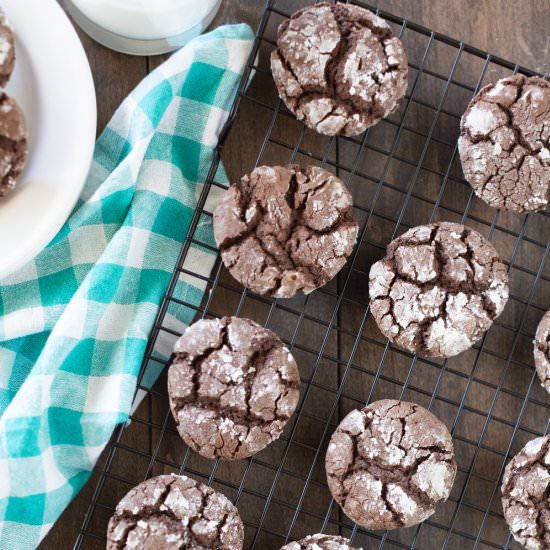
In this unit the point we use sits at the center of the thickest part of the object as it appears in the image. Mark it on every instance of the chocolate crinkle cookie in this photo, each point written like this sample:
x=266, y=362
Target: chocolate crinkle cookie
x=320, y=542
x=438, y=289
x=232, y=385
x=389, y=464
x=7, y=49
x=542, y=351
x=525, y=495
x=504, y=143
x=285, y=229
x=173, y=512
x=338, y=68
x=13, y=143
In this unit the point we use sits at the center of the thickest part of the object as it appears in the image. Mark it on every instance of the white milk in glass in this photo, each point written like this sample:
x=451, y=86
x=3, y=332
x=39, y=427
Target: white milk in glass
x=143, y=27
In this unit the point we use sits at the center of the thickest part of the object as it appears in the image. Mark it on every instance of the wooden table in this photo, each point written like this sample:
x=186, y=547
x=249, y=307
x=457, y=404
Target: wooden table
x=517, y=31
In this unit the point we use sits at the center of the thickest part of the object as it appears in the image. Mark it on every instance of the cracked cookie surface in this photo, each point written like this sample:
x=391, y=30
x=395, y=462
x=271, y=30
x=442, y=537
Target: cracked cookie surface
x=13, y=143
x=504, y=144
x=438, y=289
x=7, y=49
x=542, y=351
x=339, y=68
x=320, y=542
x=285, y=229
x=526, y=494
x=233, y=386
x=389, y=464
x=174, y=512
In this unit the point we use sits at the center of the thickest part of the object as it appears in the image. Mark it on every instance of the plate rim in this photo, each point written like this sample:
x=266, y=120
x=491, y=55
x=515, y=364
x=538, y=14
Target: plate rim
x=79, y=66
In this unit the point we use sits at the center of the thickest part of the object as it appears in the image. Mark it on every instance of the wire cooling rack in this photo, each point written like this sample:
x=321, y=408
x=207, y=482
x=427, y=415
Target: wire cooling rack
x=403, y=172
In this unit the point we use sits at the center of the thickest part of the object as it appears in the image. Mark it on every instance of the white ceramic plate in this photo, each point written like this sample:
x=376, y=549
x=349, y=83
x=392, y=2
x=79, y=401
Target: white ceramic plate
x=53, y=84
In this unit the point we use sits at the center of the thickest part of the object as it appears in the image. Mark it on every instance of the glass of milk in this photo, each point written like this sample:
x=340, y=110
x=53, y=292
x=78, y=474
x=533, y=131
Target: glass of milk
x=143, y=27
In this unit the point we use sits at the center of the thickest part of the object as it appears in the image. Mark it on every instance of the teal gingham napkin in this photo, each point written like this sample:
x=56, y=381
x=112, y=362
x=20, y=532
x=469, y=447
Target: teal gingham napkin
x=74, y=322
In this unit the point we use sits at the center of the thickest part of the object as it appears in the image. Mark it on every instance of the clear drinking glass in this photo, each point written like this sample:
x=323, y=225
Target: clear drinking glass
x=143, y=27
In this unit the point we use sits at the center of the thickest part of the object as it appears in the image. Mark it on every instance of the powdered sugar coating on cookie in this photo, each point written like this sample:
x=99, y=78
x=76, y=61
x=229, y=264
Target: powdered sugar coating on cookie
x=389, y=464
x=504, y=143
x=338, y=68
x=13, y=143
x=438, y=289
x=173, y=512
x=233, y=386
x=285, y=229
x=7, y=49
x=525, y=489
x=542, y=351
x=320, y=542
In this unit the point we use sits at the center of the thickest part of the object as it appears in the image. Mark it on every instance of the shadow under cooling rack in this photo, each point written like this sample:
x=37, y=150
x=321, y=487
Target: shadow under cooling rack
x=403, y=172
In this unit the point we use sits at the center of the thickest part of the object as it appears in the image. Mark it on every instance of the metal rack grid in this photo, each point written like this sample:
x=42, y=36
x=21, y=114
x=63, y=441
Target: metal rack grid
x=402, y=172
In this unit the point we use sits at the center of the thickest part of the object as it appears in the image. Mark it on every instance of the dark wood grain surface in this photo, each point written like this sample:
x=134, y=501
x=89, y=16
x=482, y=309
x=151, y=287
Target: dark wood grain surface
x=517, y=31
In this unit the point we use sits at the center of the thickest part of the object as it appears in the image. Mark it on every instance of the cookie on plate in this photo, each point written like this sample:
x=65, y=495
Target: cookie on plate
x=285, y=229
x=7, y=49
x=13, y=143
x=525, y=489
x=173, y=512
x=320, y=542
x=438, y=289
x=339, y=68
x=542, y=351
x=389, y=464
x=504, y=143
x=233, y=386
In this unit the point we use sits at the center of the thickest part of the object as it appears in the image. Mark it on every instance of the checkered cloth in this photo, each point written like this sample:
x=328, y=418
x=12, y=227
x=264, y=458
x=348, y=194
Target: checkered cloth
x=74, y=322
